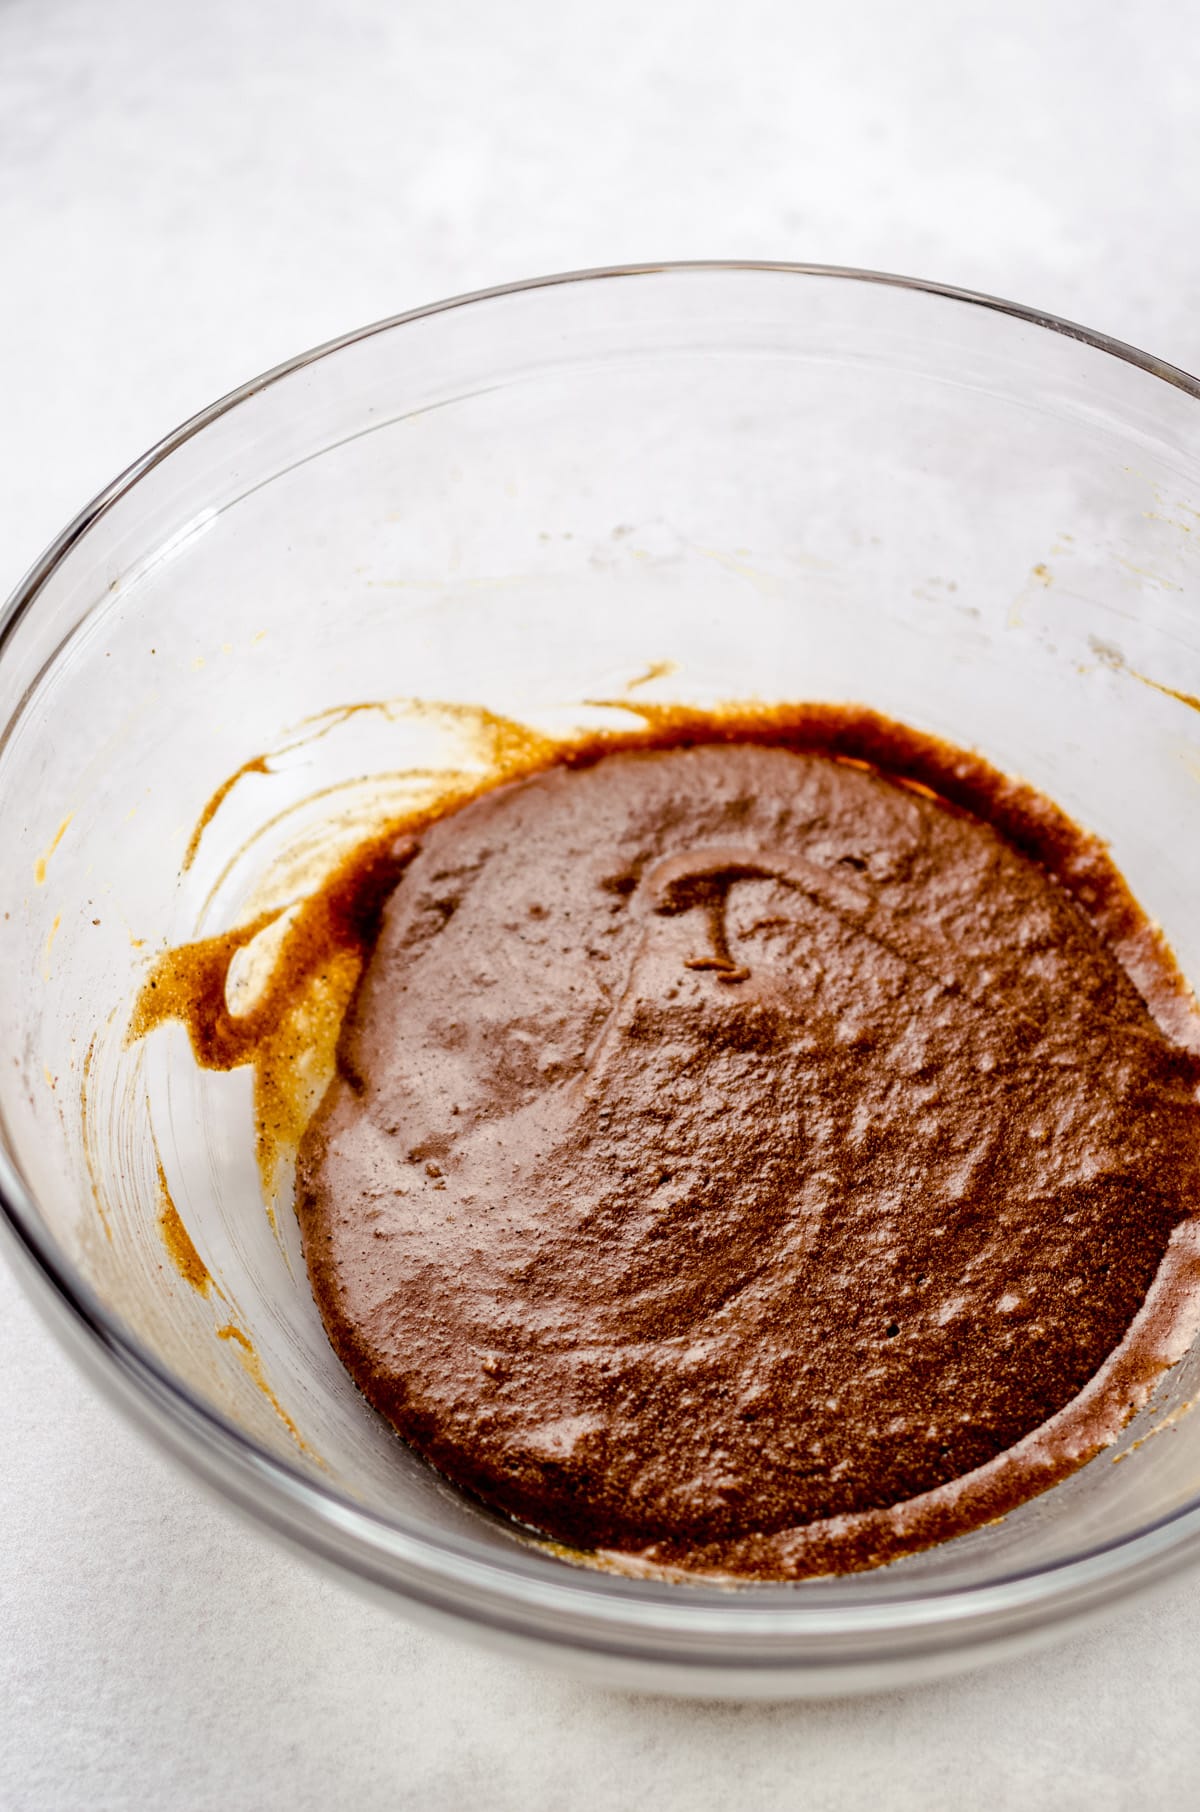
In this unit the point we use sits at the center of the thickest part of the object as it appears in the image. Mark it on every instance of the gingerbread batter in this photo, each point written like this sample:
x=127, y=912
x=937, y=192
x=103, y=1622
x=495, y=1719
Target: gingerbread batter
x=745, y=1163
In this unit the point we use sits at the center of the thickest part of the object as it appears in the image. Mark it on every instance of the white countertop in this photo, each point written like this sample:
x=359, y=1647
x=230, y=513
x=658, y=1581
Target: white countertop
x=189, y=194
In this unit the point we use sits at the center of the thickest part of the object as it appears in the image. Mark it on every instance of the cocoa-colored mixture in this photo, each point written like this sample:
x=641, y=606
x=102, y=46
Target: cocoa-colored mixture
x=746, y=1162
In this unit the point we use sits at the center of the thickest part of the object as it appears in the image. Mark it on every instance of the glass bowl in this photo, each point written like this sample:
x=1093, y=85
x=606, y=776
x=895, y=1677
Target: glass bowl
x=550, y=503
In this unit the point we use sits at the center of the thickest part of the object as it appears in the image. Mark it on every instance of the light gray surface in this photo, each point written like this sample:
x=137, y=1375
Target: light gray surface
x=188, y=195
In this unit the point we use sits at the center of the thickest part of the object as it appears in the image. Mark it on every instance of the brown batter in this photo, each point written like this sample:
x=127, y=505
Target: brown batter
x=746, y=1162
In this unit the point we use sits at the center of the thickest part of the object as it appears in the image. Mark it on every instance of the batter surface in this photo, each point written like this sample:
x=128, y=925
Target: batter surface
x=745, y=1163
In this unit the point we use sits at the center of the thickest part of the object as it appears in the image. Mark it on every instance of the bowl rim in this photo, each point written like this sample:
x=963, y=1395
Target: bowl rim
x=775, y=1626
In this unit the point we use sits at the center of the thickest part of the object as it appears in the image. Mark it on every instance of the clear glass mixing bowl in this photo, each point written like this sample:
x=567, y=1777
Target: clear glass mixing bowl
x=555, y=500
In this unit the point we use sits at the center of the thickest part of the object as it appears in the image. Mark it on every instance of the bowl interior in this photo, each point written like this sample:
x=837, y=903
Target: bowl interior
x=687, y=486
